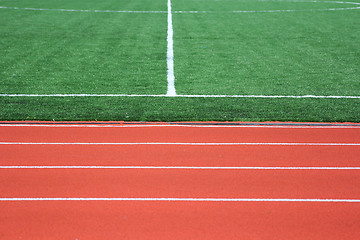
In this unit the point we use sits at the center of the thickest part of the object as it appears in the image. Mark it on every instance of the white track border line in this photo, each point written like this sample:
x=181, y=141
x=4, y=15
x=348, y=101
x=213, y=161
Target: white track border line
x=352, y=126
x=179, y=96
x=170, y=55
x=179, y=168
x=182, y=143
x=190, y=199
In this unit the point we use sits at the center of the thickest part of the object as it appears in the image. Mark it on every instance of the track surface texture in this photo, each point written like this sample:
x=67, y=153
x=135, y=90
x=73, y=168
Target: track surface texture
x=104, y=180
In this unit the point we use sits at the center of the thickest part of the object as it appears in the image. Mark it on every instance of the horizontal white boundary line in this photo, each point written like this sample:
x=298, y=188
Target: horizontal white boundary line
x=190, y=199
x=179, y=143
x=171, y=125
x=180, y=167
x=192, y=12
x=177, y=96
x=81, y=10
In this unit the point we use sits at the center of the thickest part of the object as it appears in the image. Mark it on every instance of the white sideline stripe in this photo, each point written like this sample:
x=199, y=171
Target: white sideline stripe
x=304, y=10
x=245, y=11
x=172, y=143
x=356, y=3
x=190, y=199
x=173, y=125
x=180, y=167
x=186, y=126
x=81, y=10
x=170, y=55
x=182, y=96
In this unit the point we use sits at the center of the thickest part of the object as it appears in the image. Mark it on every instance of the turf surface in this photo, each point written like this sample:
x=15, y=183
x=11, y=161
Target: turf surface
x=80, y=52
x=180, y=109
x=312, y=51
x=268, y=53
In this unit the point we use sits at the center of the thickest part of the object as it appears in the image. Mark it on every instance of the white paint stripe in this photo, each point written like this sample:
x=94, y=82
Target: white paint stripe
x=264, y=96
x=351, y=126
x=180, y=12
x=170, y=55
x=195, y=12
x=173, y=143
x=179, y=96
x=190, y=199
x=180, y=167
x=185, y=126
x=80, y=10
x=354, y=3
x=292, y=10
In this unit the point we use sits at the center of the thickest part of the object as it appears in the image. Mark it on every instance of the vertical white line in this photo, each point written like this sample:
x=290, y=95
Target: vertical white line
x=170, y=56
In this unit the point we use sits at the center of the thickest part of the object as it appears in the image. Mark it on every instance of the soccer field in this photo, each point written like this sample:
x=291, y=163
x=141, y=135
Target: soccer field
x=180, y=60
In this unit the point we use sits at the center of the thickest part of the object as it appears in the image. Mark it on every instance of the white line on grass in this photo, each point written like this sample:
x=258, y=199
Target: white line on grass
x=80, y=10
x=304, y=10
x=170, y=56
x=191, y=199
x=194, y=12
x=179, y=143
x=178, y=96
x=89, y=125
x=180, y=167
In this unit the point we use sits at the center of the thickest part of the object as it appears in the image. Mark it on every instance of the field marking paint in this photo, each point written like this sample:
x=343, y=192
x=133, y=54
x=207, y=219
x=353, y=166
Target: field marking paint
x=194, y=12
x=179, y=168
x=190, y=199
x=185, y=144
x=80, y=10
x=304, y=10
x=176, y=125
x=179, y=96
x=170, y=55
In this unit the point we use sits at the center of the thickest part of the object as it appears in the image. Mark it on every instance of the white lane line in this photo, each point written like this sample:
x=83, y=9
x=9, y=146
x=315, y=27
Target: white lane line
x=190, y=199
x=89, y=125
x=178, y=96
x=179, y=143
x=180, y=167
x=170, y=55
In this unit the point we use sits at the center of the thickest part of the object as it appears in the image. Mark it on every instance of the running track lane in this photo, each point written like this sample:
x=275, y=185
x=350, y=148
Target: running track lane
x=179, y=219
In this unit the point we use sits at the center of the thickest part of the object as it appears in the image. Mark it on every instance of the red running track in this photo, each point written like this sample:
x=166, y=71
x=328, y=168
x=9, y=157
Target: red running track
x=108, y=202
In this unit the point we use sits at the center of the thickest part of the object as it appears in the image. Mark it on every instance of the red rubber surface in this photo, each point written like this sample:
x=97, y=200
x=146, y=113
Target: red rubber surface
x=181, y=219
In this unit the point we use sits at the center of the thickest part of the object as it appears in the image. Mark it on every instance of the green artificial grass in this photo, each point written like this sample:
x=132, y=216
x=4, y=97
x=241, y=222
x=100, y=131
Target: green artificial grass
x=297, y=53
x=179, y=109
x=218, y=52
x=80, y=52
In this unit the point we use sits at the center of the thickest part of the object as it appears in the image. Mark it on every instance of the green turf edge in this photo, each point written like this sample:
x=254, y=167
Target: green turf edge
x=178, y=109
